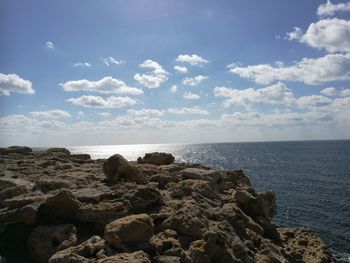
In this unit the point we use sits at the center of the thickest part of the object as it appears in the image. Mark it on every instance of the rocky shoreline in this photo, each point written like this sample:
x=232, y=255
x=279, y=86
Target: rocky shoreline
x=59, y=207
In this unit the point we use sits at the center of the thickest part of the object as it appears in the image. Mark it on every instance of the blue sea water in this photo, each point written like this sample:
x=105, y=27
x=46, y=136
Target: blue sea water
x=310, y=178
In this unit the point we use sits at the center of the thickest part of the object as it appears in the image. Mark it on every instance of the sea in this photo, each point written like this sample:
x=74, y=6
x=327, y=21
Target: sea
x=311, y=179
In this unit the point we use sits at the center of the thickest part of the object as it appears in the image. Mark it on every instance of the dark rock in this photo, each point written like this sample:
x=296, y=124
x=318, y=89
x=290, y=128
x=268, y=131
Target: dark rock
x=16, y=149
x=136, y=257
x=58, y=150
x=117, y=167
x=81, y=253
x=157, y=158
x=45, y=241
x=142, y=197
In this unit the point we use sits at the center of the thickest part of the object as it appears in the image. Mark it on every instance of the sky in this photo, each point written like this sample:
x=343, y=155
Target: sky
x=173, y=71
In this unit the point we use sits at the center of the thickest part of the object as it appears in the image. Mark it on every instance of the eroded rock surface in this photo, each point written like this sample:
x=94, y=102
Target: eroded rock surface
x=59, y=207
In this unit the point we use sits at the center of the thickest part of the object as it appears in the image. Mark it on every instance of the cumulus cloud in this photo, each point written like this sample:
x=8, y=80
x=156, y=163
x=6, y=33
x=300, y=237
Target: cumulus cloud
x=332, y=35
x=295, y=34
x=98, y=102
x=190, y=96
x=154, y=78
x=80, y=113
x=194, y=110
x=50, y=114
x=193, y=60
x=180, y=69
x=345, y=93
x=82, y=64
x=329, y=92
x=12, y=83
x=50, y=45
x=173, y=89
x=145, y=112
x=313, y=101
x=104, y=114
x=329, y=9
x=312, y=71
x=112, y=61
x=274, y=94
x=106, y=85
x=194, y=81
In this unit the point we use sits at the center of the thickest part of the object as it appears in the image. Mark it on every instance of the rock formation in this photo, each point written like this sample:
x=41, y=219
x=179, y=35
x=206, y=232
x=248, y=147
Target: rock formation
x=59, y=207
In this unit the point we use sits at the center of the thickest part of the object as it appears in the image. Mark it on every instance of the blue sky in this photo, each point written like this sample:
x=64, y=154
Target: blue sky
x=157, y=71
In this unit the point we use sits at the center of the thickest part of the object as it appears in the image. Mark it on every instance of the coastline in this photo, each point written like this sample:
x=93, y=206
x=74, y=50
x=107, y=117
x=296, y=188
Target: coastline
x=192, y=213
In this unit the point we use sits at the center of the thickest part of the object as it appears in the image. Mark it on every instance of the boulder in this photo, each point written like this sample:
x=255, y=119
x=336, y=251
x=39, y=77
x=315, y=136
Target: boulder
x=134, y=228
x=190, y=220
x=80, y=156
x=45, y=241
x=81, y=253
x=136, y=257
x=157, y=158
x=117, y=167
x=101, y=212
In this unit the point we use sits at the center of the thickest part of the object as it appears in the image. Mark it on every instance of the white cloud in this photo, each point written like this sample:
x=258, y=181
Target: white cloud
x=295, y=34
x=50, y=45
x=98, y=102
x=190, y=96
x=313, y=101
x=185, y=110
x=50, y=114
x=104, y=114
x=173, y=89
x=80, y=114
x=106, y=85
x=145, y=112
x=345, y=93
x=274, y=94
x=194, y=81
x=180, y=69
x=332, y=35
x=112, y=61
x=331, y=91
x=155, y=77
x=332, y=67
x=193, y=60
x=12, y=83
x=329, y=9
x=82, y=64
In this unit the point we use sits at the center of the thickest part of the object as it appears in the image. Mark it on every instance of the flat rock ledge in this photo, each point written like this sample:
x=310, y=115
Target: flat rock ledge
x=60, y=207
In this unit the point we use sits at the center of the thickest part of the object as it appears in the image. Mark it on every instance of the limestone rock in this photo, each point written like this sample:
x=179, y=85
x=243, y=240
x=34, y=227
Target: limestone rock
x=261, y=205
x=81, y=253
x=134, y=228
x=45, y=241
x=166, y=243
x=302, y=245
x=102, y=212
x=49, y=184
x=212, y=176
x=117, y=167
x=136, y=257
x=63, y=205
x=157, y=158
x=189, y=220
x=142, y=197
